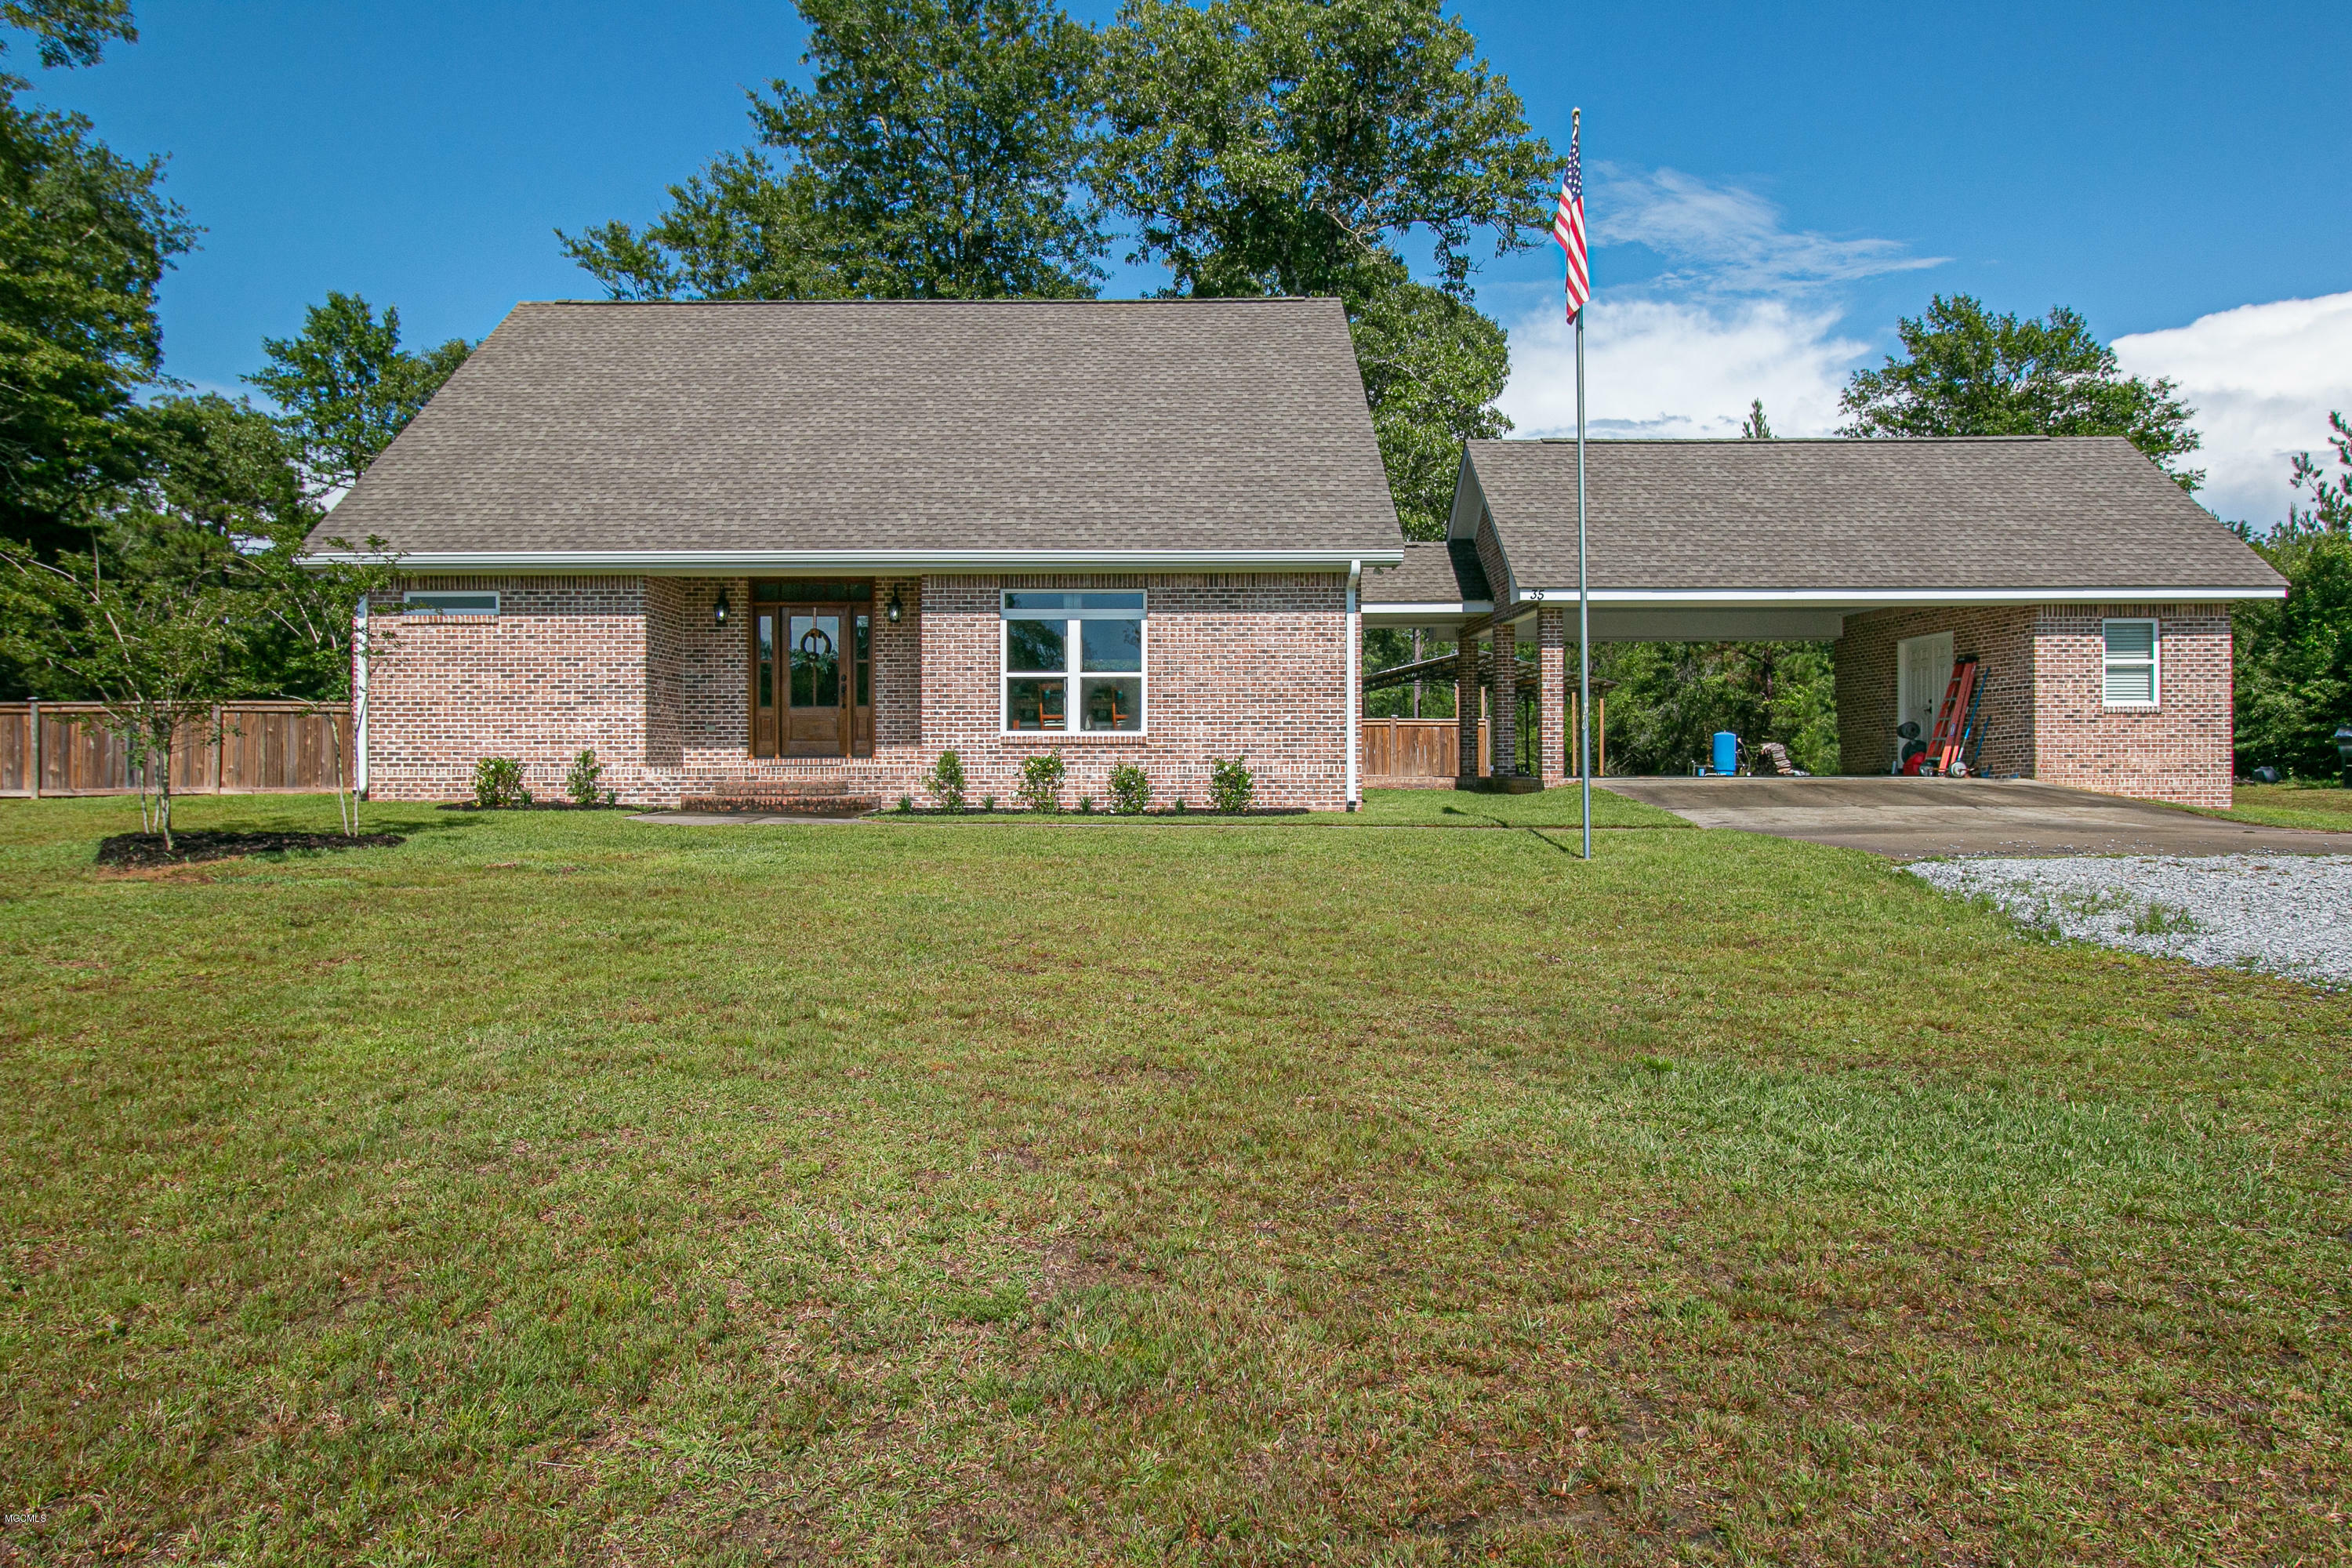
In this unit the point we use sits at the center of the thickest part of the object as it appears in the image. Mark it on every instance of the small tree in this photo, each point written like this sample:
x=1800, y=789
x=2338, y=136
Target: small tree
x=315, y=609
x=156, y=654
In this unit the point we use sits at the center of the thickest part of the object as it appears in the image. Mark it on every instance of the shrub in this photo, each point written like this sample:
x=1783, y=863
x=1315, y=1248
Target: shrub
x=988, y=803
x=1085, y=805
x=905, y=805
x=580, y=784
x=498, y=783
x=1131, y=792
x=1041, y=782
x=1179, y=809
x=946, y=781
x=1231, y=785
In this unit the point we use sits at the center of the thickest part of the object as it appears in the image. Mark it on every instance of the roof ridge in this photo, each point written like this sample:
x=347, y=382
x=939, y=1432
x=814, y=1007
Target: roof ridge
x=1774, y=440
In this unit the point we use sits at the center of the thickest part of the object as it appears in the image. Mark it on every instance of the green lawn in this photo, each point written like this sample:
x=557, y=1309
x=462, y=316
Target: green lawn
x=2282, y=805
x=562, y=1188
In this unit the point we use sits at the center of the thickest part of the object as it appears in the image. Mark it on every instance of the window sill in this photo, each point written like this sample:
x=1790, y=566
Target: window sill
x=1058, y=736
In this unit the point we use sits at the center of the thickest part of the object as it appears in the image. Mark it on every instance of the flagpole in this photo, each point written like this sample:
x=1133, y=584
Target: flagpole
x=1584, y=588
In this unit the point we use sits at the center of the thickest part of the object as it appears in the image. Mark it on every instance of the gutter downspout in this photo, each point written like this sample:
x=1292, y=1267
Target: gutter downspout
x=360, y=699
x=1355, y=678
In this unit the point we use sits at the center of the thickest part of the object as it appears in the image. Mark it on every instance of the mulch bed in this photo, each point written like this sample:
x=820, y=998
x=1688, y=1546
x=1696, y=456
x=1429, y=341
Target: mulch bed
x=539, y=805
x=140, y=849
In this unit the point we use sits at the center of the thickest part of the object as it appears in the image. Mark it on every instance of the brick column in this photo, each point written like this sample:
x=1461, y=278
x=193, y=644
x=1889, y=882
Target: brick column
x=1465, y=709
x=1503, y=726
x=1551, y=697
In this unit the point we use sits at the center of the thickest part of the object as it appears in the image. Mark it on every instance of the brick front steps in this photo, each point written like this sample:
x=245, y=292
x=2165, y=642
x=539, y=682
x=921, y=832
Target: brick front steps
x=806, y=797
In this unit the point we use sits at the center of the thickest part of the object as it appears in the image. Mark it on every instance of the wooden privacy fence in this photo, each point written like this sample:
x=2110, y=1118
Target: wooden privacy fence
x=1414, y=749
x=248, y=748
x=1401, y=751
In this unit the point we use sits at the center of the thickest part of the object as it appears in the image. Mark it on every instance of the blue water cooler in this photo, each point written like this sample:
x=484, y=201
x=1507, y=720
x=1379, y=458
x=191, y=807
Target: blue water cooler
x=1727, y=752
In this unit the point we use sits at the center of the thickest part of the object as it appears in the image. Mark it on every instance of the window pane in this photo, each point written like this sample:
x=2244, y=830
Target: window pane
x=1110, y=645
x=1031, y=599
x=815, y=654
x=1035, y=705
x=2129, y=683
x=1037, y=645
x=452, y=604
x=2131, y=639
x=767, y=660
x=1113, y=704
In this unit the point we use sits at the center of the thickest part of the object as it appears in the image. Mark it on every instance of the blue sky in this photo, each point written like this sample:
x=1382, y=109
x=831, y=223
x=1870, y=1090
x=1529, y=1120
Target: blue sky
x=1772, y=185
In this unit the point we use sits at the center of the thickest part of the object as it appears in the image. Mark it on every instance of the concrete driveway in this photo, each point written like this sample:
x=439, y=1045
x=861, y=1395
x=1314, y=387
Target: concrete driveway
x=1912, y=819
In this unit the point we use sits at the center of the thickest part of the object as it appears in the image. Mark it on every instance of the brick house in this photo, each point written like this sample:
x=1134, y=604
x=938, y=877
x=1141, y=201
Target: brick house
x=2094, y=592
x=754, y=552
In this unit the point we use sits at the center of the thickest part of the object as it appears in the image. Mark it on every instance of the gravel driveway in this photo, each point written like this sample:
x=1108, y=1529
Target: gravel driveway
x=2284, y=914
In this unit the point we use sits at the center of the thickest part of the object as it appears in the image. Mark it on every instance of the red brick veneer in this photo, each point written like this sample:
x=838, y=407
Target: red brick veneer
x=637, y=669
x=2042, y=709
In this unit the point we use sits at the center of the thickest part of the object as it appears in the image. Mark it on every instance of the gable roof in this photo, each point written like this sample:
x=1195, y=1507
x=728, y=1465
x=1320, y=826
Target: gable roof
x=1854, y=521
x=1447, y=574
x=915, y=433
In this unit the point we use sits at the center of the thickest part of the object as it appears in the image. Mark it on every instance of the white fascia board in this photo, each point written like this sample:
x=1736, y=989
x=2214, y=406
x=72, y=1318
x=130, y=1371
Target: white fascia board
x=1889, y=598
x=707, y=562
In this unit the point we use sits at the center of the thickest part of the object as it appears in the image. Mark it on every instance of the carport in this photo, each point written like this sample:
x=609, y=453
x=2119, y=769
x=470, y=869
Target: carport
x=2092, y=592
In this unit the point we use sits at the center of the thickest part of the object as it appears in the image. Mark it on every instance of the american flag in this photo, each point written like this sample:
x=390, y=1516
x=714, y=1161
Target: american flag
x=1568, y=225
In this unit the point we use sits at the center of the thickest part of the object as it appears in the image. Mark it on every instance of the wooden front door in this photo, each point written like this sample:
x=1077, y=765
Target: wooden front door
x=812, y=679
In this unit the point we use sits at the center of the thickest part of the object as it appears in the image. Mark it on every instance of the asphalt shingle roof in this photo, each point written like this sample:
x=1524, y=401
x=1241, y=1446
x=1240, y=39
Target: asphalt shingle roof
x=2025, y=513
x=884, y=426
x=1444, y=573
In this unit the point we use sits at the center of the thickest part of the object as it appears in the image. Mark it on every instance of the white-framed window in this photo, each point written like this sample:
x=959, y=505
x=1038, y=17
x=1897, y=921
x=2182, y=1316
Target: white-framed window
x=1073, y=660
x=2129, y=675
x=445, y=602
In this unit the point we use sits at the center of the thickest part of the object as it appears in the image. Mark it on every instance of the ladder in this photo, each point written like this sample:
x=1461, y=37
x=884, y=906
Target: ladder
x=1951, y=721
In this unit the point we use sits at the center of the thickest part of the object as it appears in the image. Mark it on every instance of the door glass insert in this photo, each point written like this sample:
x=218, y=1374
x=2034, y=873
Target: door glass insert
x=816, y=661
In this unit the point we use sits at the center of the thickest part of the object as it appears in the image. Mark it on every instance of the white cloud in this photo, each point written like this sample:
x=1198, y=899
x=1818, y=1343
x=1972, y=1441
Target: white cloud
x=1732, y=239
x=1682, y=367
x=2263, y=379
x=1747, y=309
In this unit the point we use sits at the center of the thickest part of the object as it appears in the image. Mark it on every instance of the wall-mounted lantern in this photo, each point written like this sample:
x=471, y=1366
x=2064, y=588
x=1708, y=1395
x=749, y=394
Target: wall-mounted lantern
x=895, y=611
x=719, y=610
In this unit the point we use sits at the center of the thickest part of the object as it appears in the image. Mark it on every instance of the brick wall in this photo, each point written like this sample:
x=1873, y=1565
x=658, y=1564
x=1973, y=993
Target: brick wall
x=1252, y=664
x=560, y=667
x=2044, y=713
x=2178, y=751
x=637, y=668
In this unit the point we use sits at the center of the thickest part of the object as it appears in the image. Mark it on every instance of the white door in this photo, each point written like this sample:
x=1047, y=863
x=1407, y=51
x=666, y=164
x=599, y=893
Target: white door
x=1923, y=669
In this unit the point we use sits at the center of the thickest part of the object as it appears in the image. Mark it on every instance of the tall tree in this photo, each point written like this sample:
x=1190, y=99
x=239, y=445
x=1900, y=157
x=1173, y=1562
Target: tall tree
x=2293, y=657
x=941, y=151
x=1968, y=371
x=1302, y=147
x=1292, y=146
x=85, y=238
x=72, y=32
x=1432, y=367
x=345, y=387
